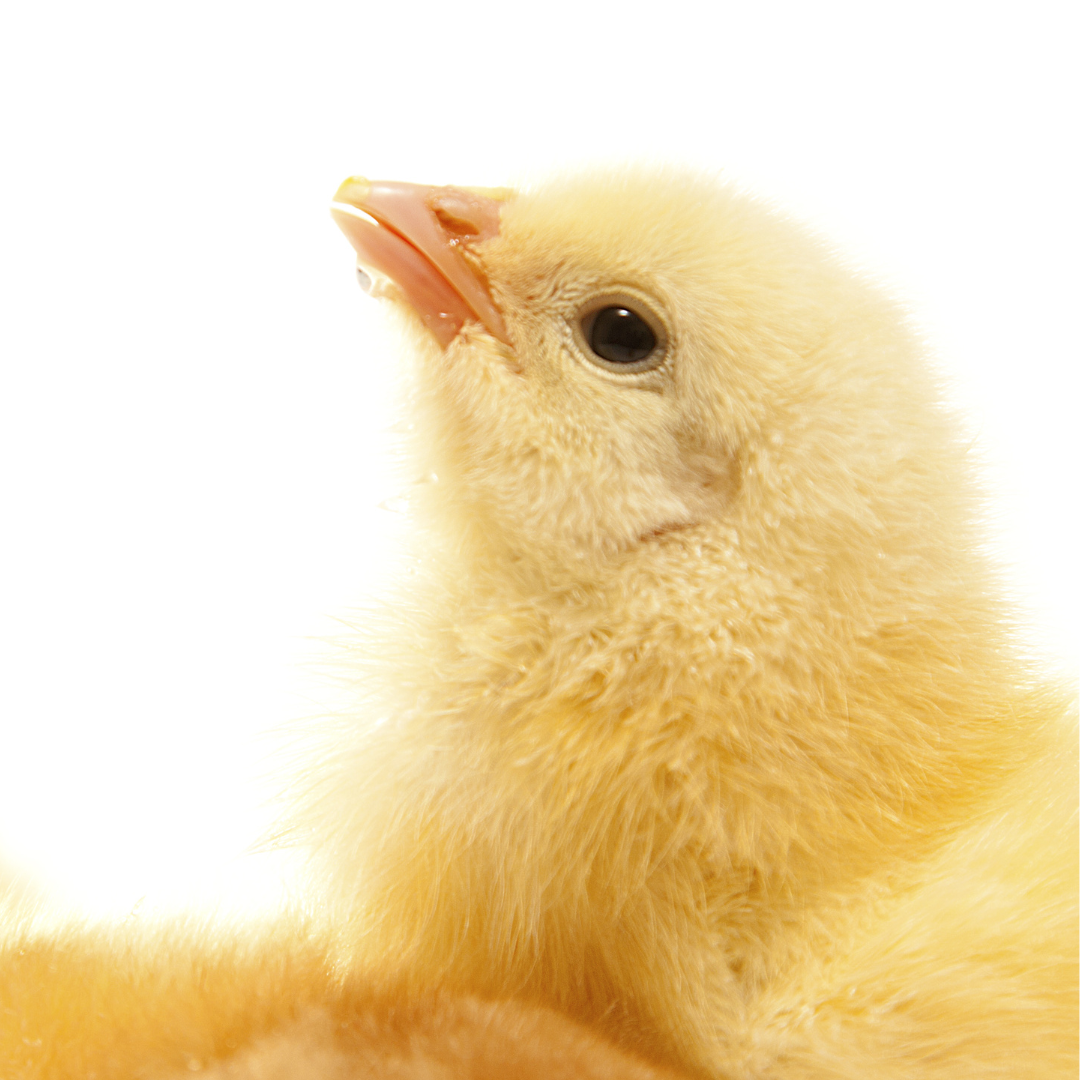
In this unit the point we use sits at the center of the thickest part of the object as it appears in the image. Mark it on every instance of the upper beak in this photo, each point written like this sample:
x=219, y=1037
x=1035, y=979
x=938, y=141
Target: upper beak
x=412, y=234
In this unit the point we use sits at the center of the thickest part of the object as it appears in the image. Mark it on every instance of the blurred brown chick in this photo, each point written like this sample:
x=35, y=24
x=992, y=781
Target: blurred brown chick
x=218, y=1002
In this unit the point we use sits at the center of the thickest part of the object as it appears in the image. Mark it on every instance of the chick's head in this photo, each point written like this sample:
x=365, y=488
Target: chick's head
x=671, y=356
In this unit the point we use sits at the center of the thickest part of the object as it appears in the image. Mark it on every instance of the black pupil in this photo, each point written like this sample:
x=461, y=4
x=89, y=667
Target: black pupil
x=622, y=337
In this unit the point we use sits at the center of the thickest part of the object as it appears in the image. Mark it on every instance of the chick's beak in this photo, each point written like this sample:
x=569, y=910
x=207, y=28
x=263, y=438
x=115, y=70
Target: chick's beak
x=412, y=235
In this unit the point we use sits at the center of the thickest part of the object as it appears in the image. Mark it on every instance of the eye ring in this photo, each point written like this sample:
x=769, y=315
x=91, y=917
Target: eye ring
x=630, y=336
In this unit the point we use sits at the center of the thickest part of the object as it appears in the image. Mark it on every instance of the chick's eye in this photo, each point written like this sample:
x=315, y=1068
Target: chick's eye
x=620, y=336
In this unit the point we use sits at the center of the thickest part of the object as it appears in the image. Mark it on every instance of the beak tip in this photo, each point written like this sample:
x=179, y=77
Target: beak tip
x=353, y=190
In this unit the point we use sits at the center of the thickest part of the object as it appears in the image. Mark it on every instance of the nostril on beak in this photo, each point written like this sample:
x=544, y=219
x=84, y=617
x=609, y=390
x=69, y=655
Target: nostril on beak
x=461, y=214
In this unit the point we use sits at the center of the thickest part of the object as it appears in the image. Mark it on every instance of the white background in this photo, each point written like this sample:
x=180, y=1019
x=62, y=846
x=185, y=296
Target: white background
x=193, y=387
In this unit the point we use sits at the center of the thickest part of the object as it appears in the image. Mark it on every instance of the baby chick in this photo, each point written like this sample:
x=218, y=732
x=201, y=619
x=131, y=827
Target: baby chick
x=704, y=725
x=698, y=739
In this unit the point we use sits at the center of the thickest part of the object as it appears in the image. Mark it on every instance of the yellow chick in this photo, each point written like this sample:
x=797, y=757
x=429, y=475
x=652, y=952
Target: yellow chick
x=697, y=739
x=706, y=725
